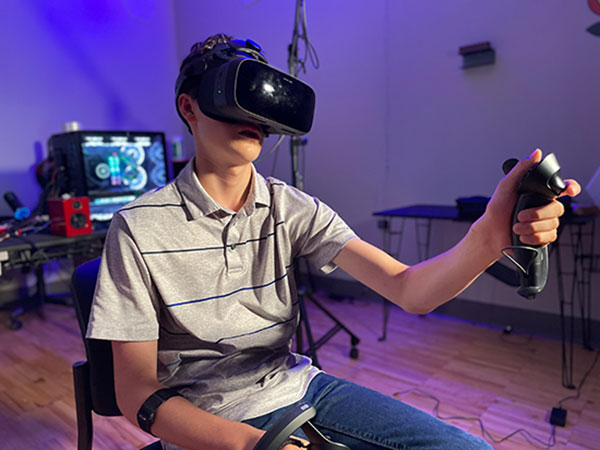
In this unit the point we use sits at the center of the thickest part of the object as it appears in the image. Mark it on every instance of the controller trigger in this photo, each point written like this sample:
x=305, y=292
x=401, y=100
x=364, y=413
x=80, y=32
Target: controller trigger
x=522, y=256
x=556, y=184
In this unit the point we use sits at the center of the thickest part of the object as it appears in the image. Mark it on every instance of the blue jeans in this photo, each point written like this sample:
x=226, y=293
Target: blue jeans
x=364, y=419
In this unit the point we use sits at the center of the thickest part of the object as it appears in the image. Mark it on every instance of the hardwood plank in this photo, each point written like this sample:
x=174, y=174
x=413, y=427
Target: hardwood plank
x=509, y=382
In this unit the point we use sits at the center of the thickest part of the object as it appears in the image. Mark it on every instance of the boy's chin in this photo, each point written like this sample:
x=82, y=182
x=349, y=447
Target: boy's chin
x=248, y=151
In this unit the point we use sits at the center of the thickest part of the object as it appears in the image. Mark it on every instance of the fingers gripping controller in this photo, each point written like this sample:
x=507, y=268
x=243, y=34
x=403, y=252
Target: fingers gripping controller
x=537, y=188
x=297, y=417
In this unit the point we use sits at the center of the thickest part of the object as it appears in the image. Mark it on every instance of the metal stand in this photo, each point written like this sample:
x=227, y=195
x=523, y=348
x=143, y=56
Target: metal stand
x=297, y=181
x=423, y=234
x=581, y=242
x=305, y=292
x=35, y=250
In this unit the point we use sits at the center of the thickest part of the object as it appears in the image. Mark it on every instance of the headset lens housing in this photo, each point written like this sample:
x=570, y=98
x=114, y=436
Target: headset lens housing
x=275, y=96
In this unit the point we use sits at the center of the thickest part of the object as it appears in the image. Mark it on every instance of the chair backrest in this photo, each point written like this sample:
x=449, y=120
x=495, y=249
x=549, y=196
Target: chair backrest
x=98, y=352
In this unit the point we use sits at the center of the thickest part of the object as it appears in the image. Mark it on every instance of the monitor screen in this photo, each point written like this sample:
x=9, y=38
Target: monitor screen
x=121, y=166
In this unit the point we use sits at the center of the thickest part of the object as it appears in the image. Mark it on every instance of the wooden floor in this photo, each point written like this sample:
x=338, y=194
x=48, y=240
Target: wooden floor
x=509, y=382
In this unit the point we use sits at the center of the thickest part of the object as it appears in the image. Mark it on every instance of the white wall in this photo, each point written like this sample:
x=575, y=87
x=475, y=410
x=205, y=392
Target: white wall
x=540, y=93
x=106, y=64
x=347, y=143
x=399, y=122
x=451, y=129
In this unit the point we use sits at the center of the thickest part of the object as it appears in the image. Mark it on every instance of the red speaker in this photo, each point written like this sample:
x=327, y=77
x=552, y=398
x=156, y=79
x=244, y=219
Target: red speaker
x=70, y=216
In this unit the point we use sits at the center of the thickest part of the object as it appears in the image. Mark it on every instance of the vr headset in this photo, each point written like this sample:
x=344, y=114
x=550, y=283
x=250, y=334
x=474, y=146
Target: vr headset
x=234, y=83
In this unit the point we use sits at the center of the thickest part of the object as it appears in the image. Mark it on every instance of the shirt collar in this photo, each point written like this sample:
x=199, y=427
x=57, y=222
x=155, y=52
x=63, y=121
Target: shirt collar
x=200, y=204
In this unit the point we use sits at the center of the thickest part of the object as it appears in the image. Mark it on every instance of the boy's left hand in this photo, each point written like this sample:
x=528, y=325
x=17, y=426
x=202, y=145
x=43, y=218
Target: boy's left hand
x=536, y=226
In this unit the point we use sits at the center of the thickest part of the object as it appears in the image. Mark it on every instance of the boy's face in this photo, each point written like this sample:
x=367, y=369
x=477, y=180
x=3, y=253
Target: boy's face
x=222, y=142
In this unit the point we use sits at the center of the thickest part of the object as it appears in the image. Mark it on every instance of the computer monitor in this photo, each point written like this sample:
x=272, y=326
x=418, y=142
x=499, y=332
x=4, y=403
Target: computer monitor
x=112, y=168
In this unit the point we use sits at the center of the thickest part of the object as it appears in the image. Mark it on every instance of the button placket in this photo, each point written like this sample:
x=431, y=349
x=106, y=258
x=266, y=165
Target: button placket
x=234, y=261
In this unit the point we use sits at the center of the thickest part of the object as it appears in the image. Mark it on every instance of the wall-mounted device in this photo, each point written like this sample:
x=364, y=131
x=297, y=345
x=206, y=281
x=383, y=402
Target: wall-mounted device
x=475, y=55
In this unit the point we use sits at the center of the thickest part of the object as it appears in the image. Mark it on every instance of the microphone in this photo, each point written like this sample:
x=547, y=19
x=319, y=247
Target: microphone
x=20, y=212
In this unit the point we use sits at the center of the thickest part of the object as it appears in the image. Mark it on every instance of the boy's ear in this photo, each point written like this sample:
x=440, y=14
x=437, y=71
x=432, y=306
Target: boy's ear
x=184, y=103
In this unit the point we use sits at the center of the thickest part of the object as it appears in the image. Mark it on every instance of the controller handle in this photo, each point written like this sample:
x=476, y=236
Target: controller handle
x=540, y=185
x=297, y=417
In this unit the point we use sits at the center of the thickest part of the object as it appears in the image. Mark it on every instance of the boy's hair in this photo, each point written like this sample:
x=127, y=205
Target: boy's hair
x=199, y=48
x=208, y=44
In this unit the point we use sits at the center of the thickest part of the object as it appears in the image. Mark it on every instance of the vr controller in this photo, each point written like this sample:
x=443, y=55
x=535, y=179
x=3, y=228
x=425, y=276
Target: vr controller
x=297, y=417
x=538, y=187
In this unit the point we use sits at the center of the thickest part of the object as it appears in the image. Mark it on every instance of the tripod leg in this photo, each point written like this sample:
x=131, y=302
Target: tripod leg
x=354, y=340
x=567, y=350
x=386, y=318
x=308, y=292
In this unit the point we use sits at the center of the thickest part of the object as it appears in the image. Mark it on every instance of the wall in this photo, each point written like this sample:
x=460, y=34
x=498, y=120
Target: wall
x=347, y=58
x=399, y=122
x=451, y=129
x=105, y=64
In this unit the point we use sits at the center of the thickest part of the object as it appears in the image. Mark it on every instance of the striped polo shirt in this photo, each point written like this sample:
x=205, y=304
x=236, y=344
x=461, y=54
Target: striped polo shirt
x=217, y=289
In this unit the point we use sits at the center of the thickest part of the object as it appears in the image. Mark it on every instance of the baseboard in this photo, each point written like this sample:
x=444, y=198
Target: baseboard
x=521, y=321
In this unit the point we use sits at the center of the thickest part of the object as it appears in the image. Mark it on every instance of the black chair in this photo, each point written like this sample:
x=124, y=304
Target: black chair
x=93, y=378
x=95, y=387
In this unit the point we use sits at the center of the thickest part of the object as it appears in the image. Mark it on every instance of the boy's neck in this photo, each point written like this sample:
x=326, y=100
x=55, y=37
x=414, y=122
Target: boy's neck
x=229, y=187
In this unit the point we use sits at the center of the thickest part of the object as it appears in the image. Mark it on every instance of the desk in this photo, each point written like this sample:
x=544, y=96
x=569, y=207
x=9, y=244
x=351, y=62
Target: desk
x=33, y=251
x=393, y=222
x=578, y=239
x=426, y=212
x=576, y=233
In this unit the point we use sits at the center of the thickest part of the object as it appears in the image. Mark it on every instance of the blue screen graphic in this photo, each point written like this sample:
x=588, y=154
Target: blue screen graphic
x=123, y=164
x=120, y=167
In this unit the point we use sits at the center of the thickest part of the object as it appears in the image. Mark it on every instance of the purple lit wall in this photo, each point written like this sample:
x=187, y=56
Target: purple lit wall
x=345, y=155
x=106, y=64
x=399, y=122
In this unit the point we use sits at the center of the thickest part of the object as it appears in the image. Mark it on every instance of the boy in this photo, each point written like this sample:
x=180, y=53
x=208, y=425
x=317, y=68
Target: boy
x=196, y=292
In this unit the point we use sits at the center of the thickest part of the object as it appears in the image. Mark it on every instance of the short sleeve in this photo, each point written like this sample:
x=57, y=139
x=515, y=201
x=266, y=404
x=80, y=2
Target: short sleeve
x=325, y=235
x=125, y=306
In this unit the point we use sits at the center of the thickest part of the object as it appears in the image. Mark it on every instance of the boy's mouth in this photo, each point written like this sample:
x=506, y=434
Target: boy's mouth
x=251, y=131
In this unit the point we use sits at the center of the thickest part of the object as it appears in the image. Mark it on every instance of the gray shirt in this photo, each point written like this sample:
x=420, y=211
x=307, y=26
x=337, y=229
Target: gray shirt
x=217, y=289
